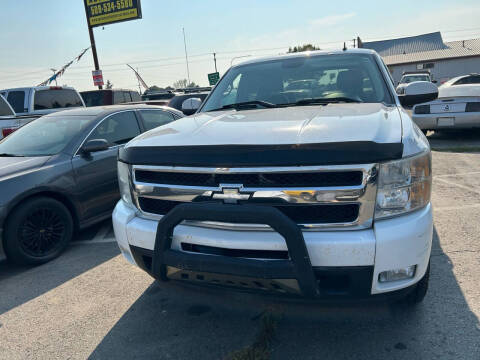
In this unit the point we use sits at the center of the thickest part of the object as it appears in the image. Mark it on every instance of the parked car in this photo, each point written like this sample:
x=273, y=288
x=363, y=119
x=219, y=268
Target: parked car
x=409, y=77
x=158, y=95
x=109, y=97
x=41, y=100
x=457, y=106
x=9, y=121
x=324, y=196
x=469, y=79
x=58, y=174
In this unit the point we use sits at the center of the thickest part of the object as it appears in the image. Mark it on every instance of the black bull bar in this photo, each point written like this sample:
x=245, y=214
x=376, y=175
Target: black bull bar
x=298, y=267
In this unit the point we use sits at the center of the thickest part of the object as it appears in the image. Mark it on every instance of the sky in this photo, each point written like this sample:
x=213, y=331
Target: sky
x=37, y=35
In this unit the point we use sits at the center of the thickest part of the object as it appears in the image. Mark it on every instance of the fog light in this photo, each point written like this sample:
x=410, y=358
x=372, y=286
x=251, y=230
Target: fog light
x=397, y=274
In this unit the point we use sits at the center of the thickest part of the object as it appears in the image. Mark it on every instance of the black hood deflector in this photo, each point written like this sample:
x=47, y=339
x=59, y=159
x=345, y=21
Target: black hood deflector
x=339, y=153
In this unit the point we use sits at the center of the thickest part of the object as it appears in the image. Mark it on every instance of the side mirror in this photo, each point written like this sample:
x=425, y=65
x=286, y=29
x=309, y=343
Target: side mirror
x=434, y=81
x=94, y=146
x=190, y=106
x=418, y=92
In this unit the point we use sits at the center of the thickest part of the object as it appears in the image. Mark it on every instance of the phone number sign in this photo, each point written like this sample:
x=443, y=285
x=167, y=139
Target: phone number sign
x=103, y=12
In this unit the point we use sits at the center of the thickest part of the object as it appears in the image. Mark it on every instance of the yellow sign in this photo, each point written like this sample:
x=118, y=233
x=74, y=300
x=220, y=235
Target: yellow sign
x=103, y=12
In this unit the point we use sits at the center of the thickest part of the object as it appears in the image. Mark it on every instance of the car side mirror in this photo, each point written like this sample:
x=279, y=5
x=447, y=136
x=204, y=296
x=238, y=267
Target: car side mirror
x=418, y=92
x=434, y=81
x=94, y=145
x=190, y=106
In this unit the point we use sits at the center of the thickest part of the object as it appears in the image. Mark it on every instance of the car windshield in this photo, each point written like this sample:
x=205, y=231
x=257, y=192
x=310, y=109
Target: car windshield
x=410, y=78
x=47, y=135
x=301, y=80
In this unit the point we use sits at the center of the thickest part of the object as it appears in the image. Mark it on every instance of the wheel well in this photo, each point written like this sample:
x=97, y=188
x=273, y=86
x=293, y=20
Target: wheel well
x=54, y=195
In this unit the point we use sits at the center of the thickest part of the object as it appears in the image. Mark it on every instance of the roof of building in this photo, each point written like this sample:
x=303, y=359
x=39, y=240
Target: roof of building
x=407, y=45
x=453, y=49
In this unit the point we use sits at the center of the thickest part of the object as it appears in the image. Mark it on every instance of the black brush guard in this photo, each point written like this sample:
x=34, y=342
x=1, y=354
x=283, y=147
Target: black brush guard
x=298, y=267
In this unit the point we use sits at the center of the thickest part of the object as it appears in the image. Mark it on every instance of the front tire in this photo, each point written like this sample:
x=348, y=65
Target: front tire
x=37, y=231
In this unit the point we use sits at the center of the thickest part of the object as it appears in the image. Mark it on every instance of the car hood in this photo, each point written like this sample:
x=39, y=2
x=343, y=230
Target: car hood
x=467, y=90
x=292, y=125
x=15, y=166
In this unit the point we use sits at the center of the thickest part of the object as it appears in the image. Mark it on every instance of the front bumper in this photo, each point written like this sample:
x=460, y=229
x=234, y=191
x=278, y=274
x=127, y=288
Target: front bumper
x=352, y=258
x=464, y=120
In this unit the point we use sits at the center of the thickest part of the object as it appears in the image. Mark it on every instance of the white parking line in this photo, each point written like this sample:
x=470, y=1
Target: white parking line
x=459, y=185
x=103, y=241
x=102, y=232
x=458, y=174
x=453, y=208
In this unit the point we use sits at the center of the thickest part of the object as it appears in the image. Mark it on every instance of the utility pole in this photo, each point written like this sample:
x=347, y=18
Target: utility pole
x=186, y=56
x=215, y=61
x=92, y=43
x=354, y=43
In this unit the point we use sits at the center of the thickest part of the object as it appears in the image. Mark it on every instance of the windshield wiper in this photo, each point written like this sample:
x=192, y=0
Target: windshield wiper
x=247, y=104
x=10, y=155
x=312, y=101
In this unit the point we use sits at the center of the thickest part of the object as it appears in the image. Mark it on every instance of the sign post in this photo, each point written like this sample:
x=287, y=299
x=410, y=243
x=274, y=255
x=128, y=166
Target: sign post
x=213, y=78
x=104, y=12
x=97, y=78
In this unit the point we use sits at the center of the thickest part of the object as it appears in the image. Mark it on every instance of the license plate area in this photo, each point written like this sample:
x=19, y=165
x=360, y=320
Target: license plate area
x=285, y=286
x=446, y=121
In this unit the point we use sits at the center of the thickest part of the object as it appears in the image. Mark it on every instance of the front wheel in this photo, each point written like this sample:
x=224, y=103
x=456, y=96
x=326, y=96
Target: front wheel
x=37, y=231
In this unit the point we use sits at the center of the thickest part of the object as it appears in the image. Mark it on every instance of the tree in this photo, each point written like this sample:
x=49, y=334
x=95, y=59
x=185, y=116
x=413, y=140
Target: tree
x=183, y=83
x=305, y=47
x=154, y=88
x=180, y=84
x=108, y=85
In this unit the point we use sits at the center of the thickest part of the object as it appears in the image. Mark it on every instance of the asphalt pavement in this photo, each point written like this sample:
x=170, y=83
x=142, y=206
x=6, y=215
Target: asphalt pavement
x=90, y=303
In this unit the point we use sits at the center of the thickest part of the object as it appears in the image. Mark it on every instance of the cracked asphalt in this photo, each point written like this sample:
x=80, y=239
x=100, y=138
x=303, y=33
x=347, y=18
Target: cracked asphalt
x=90, y=303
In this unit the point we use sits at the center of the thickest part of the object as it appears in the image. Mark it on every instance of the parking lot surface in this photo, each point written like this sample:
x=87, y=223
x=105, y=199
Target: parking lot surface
x=90, y=303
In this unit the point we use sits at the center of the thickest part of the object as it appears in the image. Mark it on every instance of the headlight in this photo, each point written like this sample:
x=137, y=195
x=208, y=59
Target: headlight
x=124, y=182
x=403, y=185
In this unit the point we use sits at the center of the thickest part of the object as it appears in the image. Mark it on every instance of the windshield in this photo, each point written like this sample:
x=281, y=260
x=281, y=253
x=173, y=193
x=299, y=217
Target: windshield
x=411, y=78
x=47, y=135
x=293, y=81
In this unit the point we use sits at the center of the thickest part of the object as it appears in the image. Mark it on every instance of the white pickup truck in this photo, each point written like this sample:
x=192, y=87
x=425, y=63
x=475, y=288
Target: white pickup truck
x=29, y=103
x=321, y=192
x=9, y=121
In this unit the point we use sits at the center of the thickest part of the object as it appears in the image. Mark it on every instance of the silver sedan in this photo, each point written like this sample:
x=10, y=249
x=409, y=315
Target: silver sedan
x=457, y=107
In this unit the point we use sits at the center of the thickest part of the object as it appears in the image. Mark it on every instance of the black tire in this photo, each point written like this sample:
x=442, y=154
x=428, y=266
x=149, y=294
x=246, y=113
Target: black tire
x=37, y=231
x=418, y=294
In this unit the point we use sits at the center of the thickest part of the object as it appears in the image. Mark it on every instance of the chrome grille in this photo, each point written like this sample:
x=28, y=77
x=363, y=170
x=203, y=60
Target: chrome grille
x=315, y=197
x=294, y=179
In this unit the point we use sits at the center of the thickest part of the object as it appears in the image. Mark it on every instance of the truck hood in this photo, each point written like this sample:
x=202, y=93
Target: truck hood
x=333, y=133
x=16, y=166
x=292, y=125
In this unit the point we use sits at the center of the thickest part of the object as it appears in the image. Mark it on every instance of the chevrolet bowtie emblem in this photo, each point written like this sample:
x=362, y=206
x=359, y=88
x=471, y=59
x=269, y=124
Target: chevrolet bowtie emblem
x=231, y=194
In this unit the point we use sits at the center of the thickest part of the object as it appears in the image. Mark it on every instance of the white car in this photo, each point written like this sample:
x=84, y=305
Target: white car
x=457, y=106
x=323, y=193
x=408, y=78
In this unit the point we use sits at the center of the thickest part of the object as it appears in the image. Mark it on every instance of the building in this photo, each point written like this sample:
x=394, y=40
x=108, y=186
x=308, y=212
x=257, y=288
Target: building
x=444, y=60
